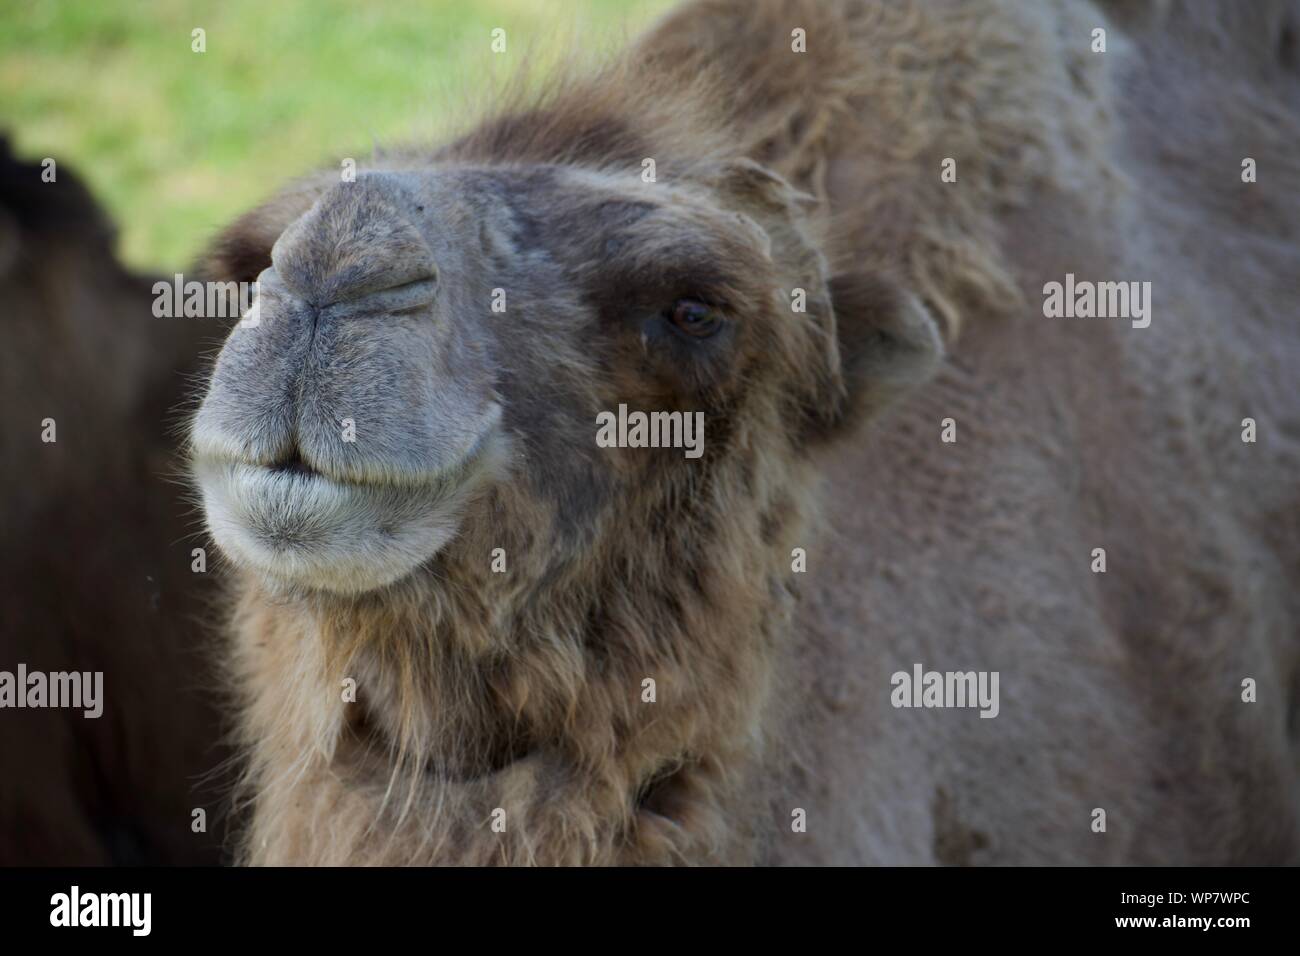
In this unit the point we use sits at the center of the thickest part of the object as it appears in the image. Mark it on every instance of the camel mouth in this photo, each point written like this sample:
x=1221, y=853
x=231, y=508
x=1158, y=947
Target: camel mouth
x=295, y=526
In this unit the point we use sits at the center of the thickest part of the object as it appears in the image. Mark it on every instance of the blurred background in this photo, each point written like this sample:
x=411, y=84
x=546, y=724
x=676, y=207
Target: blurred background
x=175, y=143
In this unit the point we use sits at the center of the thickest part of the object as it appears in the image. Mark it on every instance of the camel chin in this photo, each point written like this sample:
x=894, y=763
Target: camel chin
x=310, y=531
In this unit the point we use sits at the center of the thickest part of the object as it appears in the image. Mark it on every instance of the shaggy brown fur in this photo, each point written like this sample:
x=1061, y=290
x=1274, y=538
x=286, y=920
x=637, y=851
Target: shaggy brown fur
x=1123, y=690
x=95, y=557
x=524, y=693
x=521, y=692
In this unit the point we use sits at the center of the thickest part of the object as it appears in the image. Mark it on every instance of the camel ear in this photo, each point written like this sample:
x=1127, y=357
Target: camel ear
x=776, y=207
x=888, y=344
x=243, y=249
x=881, y=340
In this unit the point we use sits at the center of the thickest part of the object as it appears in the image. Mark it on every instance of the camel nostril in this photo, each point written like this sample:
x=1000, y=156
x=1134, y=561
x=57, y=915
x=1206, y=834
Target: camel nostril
x=407, y=297
x=358, y=240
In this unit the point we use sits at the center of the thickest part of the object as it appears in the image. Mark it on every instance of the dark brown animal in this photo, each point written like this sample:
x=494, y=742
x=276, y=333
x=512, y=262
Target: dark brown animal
x=95, y=555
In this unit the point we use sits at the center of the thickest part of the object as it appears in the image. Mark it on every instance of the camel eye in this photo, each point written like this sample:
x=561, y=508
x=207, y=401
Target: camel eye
x=695, y=318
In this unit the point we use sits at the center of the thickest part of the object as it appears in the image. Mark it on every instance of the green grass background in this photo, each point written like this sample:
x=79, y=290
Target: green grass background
x=175, y=143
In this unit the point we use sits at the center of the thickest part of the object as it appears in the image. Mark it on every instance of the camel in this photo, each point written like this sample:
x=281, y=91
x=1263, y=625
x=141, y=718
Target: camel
x=96, y=555
x=462, y=631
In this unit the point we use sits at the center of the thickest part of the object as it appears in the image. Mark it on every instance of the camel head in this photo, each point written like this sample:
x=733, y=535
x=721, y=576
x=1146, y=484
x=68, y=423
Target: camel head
x=434, y=347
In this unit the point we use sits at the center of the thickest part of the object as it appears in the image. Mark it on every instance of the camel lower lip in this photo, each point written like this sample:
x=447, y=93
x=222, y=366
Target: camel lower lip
x=304, y=528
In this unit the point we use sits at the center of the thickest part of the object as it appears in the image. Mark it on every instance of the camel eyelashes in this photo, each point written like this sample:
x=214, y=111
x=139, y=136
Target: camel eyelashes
x=694, y=318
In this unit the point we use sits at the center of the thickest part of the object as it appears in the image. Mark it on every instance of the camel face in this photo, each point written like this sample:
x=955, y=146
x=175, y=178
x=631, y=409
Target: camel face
x=342, y=429
x=424, y=339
